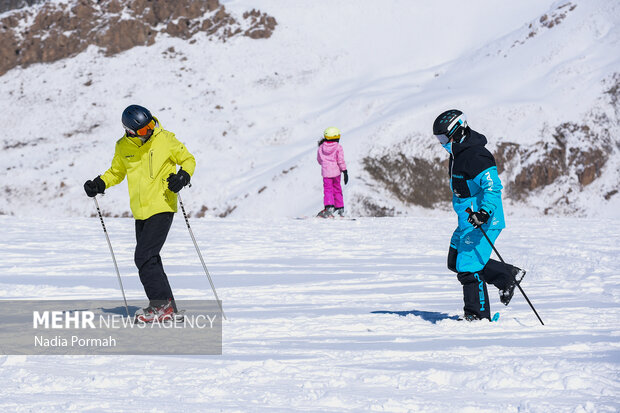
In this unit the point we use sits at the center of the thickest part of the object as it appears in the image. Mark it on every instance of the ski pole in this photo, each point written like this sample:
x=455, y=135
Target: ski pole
x=470, y=212
x=191, y=233
x=118, y=274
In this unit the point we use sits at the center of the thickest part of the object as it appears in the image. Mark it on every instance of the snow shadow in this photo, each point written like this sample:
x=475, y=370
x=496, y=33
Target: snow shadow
x=121, y=310
x=113, y=310
x=432, y=316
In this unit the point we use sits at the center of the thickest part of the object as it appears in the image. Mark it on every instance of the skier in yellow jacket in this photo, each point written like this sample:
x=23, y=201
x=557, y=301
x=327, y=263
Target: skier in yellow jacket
x=148, y=155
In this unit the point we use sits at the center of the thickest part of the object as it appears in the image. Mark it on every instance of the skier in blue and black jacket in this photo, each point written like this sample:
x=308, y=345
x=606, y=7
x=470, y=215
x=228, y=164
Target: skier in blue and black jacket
x=475, y=184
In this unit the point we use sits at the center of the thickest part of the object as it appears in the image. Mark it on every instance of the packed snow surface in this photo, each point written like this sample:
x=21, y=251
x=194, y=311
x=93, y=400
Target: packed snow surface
x=331, y=316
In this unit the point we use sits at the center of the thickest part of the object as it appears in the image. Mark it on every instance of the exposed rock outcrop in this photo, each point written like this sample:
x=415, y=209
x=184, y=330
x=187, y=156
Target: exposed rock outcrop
x=412, y=180
x=547, y=21
x=577, y=151
x=54, y=31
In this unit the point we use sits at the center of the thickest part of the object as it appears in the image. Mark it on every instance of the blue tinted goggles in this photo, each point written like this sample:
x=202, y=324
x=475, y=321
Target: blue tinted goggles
x=443, y=139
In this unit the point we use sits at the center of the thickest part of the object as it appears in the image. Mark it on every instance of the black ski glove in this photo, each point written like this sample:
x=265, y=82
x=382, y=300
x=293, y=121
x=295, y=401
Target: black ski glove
x=477, y=219
x=94, y=187
x=346, y=176
x=177, y=181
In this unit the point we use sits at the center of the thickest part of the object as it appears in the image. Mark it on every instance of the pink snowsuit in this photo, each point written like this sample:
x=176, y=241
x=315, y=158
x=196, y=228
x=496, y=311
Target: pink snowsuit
x=330, y=156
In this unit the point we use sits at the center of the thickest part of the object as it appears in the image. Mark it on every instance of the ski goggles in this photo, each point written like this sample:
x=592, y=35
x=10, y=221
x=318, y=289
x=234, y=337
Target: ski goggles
x=460, y=121
x=443, y=139
x=143, y=131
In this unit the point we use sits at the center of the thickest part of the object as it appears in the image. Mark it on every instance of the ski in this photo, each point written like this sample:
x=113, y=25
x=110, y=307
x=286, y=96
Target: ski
x=493, y=319
x=177, y=317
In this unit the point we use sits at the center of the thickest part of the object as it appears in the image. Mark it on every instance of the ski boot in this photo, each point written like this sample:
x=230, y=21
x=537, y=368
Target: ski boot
x=156, y=313
x=476, y=317
x=339, y=212
x=470, y=317
x=142, y=312
x=506, y=295
x=328, y=212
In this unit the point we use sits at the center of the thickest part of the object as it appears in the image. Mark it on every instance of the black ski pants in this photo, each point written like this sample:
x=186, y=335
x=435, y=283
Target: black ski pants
x=475, y=294
x=151, y=234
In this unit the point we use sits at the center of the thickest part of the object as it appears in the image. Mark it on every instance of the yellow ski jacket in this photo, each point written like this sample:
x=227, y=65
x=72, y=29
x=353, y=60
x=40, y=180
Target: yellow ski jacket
x=147, y=166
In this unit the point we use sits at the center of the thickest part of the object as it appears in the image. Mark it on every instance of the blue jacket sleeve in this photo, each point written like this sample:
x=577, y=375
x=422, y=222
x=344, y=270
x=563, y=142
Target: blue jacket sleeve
x=491, y=188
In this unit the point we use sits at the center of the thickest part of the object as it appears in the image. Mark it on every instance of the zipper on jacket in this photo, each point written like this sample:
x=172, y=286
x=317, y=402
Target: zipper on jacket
x=451, y=171
x=151, y=163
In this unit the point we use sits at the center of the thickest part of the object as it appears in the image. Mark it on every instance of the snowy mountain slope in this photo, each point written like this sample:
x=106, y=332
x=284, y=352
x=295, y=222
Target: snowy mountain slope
x=252, y=110
x=331, y=317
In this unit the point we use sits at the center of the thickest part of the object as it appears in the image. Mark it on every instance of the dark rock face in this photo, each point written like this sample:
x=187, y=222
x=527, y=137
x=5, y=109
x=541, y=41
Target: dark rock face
x=261, y=25
x=577, y=152
x=57, y=31
x=412, y=180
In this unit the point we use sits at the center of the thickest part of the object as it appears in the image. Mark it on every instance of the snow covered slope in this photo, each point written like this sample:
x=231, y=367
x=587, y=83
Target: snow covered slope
x=252, y=110
x=332, y=316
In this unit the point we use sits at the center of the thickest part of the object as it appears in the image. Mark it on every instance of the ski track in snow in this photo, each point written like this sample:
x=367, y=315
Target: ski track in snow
x=302, y=335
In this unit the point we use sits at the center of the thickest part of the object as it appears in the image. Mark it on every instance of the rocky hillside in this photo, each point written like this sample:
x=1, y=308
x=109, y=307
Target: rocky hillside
x=54, y=31
x=249, y=92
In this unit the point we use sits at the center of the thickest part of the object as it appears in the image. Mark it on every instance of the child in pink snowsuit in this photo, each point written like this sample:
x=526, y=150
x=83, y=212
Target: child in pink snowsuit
x=330, y=156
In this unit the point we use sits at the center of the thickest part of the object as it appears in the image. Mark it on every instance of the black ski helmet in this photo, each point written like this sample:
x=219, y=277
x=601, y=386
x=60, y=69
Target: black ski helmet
x=451, y=124
x=135, y=117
